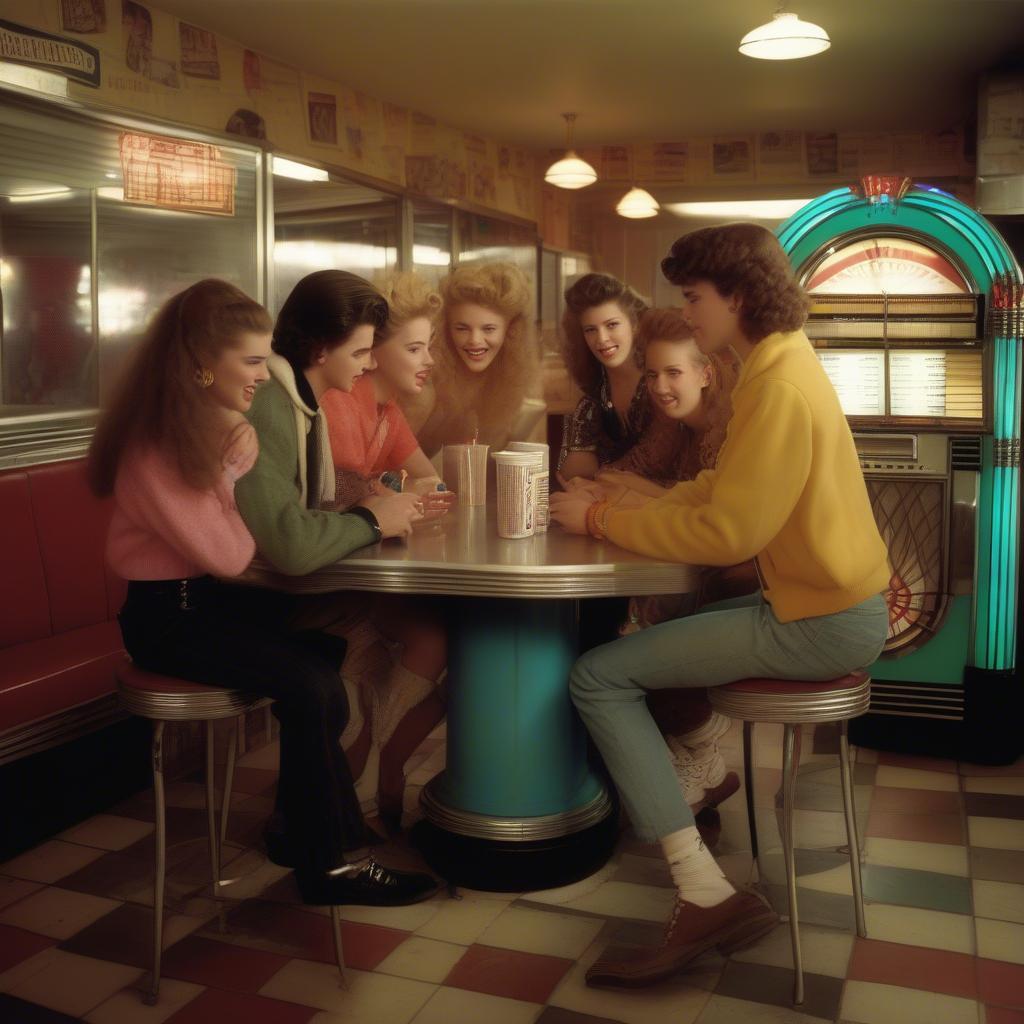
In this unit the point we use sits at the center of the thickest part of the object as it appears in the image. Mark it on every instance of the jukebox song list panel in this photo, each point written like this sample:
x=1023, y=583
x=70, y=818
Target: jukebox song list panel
x=859, y=380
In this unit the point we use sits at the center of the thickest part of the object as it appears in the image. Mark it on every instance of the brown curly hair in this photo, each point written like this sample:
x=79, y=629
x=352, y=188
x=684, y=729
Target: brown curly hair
x=156, y=400
x=745, y=260
x=589, y=291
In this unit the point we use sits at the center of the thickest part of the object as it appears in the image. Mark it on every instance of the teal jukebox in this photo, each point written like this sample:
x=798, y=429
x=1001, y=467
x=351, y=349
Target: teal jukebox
x=916, y=315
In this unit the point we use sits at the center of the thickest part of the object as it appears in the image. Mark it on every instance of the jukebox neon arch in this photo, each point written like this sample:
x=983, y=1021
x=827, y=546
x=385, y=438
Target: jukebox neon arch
x=917, y=316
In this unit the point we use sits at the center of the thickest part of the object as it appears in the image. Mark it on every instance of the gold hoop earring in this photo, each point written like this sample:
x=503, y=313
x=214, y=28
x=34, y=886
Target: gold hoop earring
x=203, y=376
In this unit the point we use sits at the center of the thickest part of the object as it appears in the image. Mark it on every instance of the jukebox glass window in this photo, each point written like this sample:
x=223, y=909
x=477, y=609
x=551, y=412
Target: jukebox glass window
x=889, y=266
x=912, y=519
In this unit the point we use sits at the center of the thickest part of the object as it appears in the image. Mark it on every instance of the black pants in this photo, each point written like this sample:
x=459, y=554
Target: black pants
x=237, y=637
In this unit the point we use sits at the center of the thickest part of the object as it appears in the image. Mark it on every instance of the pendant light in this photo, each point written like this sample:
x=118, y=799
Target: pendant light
x=785, y=37
x=570, y=171
x=637, y=203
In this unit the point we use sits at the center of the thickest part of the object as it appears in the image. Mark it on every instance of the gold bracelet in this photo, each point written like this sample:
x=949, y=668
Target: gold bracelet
x=595, y=519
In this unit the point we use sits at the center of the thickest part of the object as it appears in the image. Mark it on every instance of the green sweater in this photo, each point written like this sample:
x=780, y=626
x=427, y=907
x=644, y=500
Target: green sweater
x=295, y=540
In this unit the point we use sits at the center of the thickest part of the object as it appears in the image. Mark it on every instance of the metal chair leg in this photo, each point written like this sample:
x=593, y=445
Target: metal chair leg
x=211, y=811
x=748, y=783
x=850, y=810
x=229, y=778
x=160, y=842
x=789, y=769
x=339, y=952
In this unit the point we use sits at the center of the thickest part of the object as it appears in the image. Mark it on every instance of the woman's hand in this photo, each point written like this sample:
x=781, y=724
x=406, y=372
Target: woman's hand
x=582, y=485
x=395, y=513
x=569, y=510
x=241, y=448
x=435, y=503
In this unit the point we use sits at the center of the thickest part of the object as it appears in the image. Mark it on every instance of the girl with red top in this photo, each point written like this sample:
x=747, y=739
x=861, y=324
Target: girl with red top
x=170, y=449
x=369, y=435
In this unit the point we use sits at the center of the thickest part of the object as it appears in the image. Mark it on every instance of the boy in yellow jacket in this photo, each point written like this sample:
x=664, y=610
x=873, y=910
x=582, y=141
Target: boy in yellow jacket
x=788, y=490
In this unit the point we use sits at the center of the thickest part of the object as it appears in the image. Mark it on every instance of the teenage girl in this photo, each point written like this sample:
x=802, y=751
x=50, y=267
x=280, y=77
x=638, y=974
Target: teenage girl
x=788, y=490
x=369, y=435
x=487, y=373
x=599, y=348
x=170, y=449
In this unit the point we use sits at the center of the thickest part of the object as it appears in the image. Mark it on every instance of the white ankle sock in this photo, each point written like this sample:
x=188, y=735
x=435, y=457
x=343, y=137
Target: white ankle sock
x=697, y=877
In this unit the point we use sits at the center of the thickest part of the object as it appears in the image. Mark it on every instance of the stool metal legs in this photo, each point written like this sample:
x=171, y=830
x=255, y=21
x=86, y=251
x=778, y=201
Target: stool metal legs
x=852, y=839
x=339, y=952
x=160, y=840
x=790, y=763
x=790, y=768
x=748, y=783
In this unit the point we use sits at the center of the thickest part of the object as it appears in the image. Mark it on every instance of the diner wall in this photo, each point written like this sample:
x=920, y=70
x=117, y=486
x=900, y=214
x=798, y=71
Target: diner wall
x=152, y=63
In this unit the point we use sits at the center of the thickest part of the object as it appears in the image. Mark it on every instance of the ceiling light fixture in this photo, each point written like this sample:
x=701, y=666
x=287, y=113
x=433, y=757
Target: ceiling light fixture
x=285, y=168
x=570, y=171
x=785, y=37
x=754, y=209
x=637, y=203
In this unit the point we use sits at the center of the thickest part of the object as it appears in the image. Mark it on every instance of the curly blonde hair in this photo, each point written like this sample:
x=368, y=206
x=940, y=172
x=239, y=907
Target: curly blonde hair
x=467, y=404
x=589, y=291
x=409, y=297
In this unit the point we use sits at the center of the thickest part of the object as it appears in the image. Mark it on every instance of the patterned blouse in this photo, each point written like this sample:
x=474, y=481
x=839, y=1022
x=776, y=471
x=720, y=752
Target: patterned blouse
x=594, y=425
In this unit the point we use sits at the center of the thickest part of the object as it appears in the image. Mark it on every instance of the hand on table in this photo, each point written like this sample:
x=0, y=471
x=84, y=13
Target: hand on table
x=582, y=485
x=569, y=509
x=395, y=513
x=435, y=503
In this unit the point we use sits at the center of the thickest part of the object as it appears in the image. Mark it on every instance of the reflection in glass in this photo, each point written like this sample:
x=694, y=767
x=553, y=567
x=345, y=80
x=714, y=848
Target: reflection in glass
x=145, y=255
x=331, y=225
x=47, y=348
x=431, y=241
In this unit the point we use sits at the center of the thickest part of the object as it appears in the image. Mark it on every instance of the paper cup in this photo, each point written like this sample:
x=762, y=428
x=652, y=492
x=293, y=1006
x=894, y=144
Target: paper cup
x=464, y=467
x=542, y=489
x=516, y=502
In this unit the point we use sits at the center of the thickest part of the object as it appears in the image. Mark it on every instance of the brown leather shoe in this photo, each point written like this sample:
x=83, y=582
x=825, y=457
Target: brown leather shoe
x=737, y=922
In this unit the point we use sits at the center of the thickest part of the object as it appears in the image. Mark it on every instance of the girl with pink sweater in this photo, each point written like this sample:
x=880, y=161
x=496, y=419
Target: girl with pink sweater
x=170, y=448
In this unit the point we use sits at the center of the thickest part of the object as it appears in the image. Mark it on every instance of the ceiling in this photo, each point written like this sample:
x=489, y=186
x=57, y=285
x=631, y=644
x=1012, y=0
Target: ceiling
x=634, y=70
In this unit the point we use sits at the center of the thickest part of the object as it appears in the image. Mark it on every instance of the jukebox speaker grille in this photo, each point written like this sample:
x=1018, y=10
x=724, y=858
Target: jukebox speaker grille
x=911, y=519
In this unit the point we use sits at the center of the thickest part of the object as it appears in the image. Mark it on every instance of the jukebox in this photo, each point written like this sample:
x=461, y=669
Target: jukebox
x=916, y=315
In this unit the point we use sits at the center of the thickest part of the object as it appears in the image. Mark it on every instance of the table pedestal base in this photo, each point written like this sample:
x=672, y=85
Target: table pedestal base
x=511, y=865
x=517, y=807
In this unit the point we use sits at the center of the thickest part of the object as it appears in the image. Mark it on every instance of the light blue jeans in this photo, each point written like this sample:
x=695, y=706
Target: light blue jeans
x=730, y=640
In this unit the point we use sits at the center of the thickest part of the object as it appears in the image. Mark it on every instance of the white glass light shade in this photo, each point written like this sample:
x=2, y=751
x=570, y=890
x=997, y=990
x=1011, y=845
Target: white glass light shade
x=785, y=37
x=637, y=203
x=570, y=172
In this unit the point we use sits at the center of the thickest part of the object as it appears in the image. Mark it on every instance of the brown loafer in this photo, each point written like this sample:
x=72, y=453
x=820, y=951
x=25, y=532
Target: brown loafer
x=737, y=922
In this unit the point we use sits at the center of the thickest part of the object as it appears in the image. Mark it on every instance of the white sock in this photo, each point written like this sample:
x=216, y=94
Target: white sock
x=697, y=877
x=354, y=725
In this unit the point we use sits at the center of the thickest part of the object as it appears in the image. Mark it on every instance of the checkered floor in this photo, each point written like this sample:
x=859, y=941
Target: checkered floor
x=944, y=884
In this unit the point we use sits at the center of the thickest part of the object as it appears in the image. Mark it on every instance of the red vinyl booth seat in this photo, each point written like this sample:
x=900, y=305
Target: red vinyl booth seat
x=59, y=638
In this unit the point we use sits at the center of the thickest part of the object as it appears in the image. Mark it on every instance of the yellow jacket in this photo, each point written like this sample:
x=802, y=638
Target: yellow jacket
x=787, y=489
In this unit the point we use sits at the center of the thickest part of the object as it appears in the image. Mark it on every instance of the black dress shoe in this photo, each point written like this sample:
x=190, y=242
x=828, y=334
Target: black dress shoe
x=367, y=884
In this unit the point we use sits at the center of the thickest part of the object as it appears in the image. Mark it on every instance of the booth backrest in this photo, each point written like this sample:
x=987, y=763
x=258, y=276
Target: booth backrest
x=52, y=544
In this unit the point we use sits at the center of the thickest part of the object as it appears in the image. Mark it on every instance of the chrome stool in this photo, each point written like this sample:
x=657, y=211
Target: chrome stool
x=164, y=699
x=792, y=703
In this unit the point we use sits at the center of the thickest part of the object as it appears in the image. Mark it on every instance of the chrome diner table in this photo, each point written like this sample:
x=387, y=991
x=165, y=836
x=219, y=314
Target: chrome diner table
x=518, y=805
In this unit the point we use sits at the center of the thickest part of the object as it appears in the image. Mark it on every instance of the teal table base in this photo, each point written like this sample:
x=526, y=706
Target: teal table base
x=518, y=806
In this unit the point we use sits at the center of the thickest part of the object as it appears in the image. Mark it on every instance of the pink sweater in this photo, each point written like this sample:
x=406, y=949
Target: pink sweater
x=163, y=529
